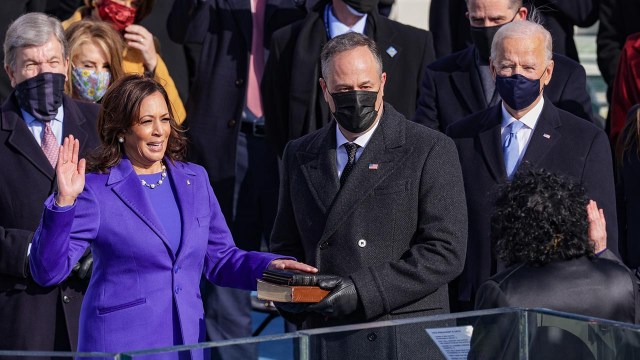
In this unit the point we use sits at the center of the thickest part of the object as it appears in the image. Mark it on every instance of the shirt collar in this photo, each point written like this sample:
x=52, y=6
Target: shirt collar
x=29, y=119
x=337, y=28
x=361, y=140
x=529, y=119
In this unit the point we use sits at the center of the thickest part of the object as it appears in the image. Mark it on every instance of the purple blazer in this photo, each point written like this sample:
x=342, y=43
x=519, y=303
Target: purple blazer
x=141, y=295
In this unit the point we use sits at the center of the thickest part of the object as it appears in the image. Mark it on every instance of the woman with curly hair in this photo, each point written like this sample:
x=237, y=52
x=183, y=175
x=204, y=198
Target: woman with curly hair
x=544, y=229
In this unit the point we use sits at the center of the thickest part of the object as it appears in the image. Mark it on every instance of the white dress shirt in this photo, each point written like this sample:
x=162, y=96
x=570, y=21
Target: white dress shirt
x=524, y=135
x=337, y=28
x=341, y=153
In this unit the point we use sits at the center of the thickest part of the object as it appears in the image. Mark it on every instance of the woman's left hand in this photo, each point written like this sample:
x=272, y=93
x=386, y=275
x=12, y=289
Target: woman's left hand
x=282, y=264
x=140, y=38
x=597, y=226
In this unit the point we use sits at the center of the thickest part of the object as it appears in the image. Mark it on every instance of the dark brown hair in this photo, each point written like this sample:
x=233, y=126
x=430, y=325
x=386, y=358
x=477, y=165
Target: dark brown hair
x=120, y=111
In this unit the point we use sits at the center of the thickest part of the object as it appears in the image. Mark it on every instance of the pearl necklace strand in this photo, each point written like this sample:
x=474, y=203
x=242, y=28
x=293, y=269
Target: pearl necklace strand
x=162, y=177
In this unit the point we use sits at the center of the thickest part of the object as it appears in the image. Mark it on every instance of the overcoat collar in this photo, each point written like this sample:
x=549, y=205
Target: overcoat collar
x=126, y=185
x=378, y=160
x=22, y=140
x=468, y=83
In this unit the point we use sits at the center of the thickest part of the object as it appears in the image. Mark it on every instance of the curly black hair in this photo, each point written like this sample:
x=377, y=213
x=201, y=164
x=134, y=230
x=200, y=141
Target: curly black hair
x=540, y=217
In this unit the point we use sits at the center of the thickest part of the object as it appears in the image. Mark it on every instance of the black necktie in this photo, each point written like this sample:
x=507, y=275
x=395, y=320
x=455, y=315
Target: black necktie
x=351, y=152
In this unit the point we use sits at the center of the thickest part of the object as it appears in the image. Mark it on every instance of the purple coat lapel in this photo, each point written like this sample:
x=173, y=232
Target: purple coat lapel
x=126, y=185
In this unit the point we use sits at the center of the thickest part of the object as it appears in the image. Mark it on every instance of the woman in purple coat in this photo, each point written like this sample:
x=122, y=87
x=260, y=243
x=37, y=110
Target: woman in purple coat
x=153, y=224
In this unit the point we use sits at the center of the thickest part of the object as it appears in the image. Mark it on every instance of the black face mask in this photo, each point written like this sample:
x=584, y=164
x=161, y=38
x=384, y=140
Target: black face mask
x=363, y=6
x=482, y=38
x=41, y=95
x=355, y=110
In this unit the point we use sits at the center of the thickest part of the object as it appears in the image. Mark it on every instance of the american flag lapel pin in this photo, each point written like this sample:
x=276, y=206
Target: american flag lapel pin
x=373, y=166
x=547, y=136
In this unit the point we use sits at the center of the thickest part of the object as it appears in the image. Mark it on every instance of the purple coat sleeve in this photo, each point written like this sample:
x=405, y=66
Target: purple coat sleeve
x=62, y=238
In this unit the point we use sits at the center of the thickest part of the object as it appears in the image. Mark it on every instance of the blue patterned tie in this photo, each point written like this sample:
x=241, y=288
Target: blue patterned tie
x=511, y=149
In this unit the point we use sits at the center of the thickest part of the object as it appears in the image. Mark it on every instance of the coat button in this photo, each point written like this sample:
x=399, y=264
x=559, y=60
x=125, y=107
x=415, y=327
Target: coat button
x=176, y=269
x=178, y=289
x=231, y=123
x=66, y=299
x=372, y=336
x=324, y=245
x=239, y=82
x=362, y=242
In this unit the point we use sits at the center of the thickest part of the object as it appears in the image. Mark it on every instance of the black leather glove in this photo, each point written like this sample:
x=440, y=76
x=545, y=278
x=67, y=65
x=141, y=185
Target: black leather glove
x=341, y=301
x=82, y=270
x=290, y=307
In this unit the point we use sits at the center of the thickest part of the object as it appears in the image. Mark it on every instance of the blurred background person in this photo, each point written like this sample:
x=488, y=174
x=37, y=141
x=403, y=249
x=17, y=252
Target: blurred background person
x=140, y=55
x=35, y=118
x=225, y=127
x=629, y=190
x=153, y=223
x=451, y=30
x=95, y=53
x=618, y=19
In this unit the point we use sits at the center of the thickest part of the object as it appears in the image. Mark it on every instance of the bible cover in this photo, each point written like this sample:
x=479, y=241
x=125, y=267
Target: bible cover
x=288, y=293
x=290, y=277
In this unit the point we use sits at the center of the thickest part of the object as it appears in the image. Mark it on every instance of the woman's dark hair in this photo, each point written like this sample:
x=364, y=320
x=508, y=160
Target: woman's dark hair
x=540, y=217
x=121, y=110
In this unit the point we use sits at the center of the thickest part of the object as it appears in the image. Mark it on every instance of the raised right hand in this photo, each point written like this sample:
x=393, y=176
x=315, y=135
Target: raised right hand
x=69, y=172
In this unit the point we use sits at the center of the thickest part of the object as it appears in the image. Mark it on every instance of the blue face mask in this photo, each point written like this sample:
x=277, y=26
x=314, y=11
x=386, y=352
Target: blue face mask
x=518, y=91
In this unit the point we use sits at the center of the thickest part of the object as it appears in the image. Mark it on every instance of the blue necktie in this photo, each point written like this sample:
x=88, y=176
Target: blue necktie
x=511, y=149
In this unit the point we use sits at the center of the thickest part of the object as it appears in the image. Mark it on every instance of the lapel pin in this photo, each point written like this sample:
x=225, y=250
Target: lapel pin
x=188, y=182
x=392, y=51
x=547, y=136
x=373, y=166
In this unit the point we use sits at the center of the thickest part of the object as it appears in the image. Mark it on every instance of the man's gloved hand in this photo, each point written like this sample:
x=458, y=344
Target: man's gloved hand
x=341, y=301
x=82, y=270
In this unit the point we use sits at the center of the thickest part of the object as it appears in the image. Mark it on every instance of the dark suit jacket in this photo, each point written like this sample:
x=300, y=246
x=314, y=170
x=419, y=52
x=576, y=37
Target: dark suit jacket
x=449, y=26
x=292, y=98
x=560, y=17
x=217, y=97
x=28, y=311
x=560, y=143
x=618, y=19
x=629, y=205
x=410, y=212
x=452, y=89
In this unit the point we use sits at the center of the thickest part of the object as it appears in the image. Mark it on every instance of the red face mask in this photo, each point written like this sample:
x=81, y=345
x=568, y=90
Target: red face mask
x=119, y=15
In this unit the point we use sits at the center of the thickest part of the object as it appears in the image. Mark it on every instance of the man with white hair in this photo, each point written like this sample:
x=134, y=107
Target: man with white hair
x=34, y=120
x=524, y=127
